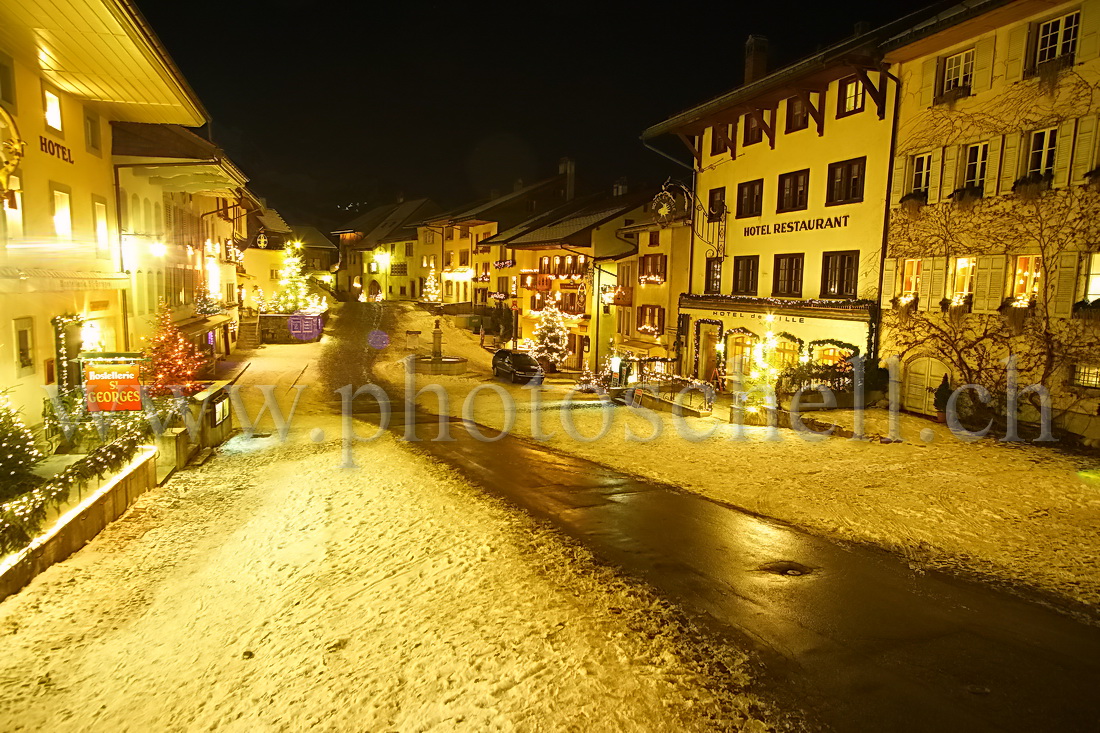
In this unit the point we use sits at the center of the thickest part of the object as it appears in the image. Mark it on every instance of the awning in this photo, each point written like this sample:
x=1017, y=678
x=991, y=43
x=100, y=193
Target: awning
x=639, y=345
x=194, y=327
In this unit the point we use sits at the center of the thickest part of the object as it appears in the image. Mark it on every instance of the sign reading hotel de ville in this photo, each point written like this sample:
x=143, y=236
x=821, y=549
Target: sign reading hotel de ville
x=112, y=387
x=800, y=225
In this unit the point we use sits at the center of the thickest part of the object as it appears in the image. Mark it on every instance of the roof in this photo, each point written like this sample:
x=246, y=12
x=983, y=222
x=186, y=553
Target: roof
x=165, y=149
x=382, y=222
x=272, y=222
x=572, y=223
x=951, y=25
x=311, y=237
x=104, y=52
x=820, y=67
x=494, y=209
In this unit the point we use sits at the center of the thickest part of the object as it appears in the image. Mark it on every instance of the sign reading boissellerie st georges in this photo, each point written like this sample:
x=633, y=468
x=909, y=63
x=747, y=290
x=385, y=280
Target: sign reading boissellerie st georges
x=112, y=387
x=802, y=225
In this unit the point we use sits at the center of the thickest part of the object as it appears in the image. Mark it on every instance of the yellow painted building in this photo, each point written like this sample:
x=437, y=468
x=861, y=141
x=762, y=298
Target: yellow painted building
x=993, y=239
x=790, y=188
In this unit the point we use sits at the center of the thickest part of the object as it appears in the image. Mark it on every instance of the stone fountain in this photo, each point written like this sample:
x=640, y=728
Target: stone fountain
x=437, y=363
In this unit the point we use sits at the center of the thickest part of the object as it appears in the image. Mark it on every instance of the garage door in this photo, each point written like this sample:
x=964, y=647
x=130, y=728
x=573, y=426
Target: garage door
x=922, y=376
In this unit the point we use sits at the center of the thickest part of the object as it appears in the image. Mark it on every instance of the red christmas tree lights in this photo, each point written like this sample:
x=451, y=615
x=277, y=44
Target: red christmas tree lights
x=170, y=359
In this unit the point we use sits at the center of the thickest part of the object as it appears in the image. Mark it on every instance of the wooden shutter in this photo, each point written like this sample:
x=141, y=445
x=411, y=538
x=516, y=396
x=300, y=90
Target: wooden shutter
x=1010, y=162
x=660, y=320
x=1084, y=153
x=889, y=280
x=950, y=176
x=924, y=290
x=992, y=161
x=1065, y=285
x=664, y=267
x=928, y=82
x=1017, y=50
x=1088, y=40
x=1063, y=152
x=935, y=177
x=989, y=283
x=898, y=184
x=983, y=65
x=938, y=282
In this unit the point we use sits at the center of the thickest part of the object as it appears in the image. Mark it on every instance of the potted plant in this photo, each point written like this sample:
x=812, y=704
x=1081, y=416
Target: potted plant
x=913, y=202
x=940, y=398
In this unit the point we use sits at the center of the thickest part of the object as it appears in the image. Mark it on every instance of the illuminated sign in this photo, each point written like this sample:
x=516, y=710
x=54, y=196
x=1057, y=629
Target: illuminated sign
x=112, y=387
x=802, y=225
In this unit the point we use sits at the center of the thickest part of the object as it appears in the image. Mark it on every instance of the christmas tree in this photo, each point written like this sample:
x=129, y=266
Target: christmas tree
x=761, y=375
x=205, y=305
x=294, y=296
x=431, y=287
x=170, y=359
x=551, y=337
x=18, y=453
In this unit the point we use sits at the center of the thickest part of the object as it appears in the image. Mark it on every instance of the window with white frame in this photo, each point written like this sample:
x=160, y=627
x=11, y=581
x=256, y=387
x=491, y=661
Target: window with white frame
x=1057, y=37
x=1092, y=284
x=99, y=214
x=1086, y=375
x=52, y=107
x=958, y=70
x=922, y=172
x=975, y=159
x=1025, y=284
x=910, y=278
x=13, y=209
x=24, y=346
x=62, y=214
x=1042, y=149
x=964, y=277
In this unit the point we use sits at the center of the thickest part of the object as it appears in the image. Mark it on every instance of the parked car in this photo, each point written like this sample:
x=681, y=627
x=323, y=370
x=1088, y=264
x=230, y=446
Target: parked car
x=518, y=366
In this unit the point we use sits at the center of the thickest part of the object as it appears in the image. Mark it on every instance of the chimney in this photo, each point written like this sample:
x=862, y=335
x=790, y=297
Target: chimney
x=862, y=28
x=756, y=58
x=517, y=185
x=567, y=167
x=619, y=188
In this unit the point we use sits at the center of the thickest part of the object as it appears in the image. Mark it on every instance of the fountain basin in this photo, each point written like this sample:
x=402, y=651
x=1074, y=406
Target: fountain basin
x=439, y=365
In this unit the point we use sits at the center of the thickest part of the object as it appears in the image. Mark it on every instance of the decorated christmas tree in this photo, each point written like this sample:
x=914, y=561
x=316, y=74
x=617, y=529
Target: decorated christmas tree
x=294, y=295
x=431, y=287
x=551, y=337
x=18, y=453
x=170, y=359
x=205, y=305
x=761, y=375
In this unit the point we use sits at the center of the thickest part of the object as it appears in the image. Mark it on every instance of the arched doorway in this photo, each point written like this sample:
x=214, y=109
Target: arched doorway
x=708, y=336
x=922, y=375
x=374, y=291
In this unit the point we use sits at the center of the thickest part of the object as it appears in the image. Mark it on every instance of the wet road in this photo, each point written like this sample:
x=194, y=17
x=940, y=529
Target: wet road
x=857, y=639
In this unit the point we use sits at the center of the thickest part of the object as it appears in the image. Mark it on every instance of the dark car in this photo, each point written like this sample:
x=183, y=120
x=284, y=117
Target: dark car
x=518, y=366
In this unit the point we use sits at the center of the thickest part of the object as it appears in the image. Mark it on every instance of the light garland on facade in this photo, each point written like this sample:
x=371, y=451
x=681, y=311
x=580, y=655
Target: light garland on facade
x=60, y=323
x=852, y=304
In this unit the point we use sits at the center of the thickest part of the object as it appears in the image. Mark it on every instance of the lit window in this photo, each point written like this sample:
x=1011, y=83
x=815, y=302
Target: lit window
x=922, y=171
x=786, y=352
x=1057, y=37
x=1092, y=285
x=964, y=276
x=99, y=210
x=13, y=209
x=1041, y=152
x=739, y=354
x=910, y=279
x=832, y=355
x=1086, y=376
x=958, y=70
x=851, y=97
x=1025, y=285
x=977, y=156
x=62, y=215
x=53, y=110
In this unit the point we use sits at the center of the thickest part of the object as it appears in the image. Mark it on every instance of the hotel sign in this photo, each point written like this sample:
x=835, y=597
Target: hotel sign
x=112, y=387
x=802, y=225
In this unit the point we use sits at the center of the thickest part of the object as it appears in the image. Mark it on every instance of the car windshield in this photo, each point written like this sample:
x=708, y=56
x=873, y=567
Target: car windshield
x=524, y=361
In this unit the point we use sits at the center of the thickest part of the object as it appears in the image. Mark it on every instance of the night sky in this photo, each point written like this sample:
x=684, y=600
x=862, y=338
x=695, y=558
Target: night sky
x=325, y=103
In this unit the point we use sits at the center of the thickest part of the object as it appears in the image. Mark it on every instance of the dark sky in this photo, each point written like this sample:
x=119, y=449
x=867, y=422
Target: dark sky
x=325, y=103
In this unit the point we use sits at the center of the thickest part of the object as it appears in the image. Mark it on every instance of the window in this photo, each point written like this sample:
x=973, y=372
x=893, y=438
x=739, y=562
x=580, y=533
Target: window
x=798, y=116
x=623, y=326
x=846, y=182
x=839, y=273
x=464, y=258
x=786, y=352
x=1092, y=285
x=62, y=214
x=24, y=345
x=51, y=104
x=713, y=282
x=92, y=134
x=451, y=259
x=792, y=190
x=787, y=278
x=1085, y=375
x=409, y=250
x=717, y=144
x=851, y=97
x=753, y=132
x=975, y=158
x=910, y=278
x=651, y=319
x=964, y=277
x=449, y=287
x=13, y=209
x=1041, y=152
x=739, y=354
x=958, y=71
x=651, y=269
x=716, y=204
x=922, y=172
x=7, y=82
x=423, y=260
x=1057, y=37
x=655, y=238
x=744, y=274
x=372, y=267
x=1025, y=284
x=750, y=198
x=99, y=217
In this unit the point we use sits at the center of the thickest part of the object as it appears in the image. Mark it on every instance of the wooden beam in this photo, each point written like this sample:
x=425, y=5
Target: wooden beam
x=877, y=94
x=696, y=152
x=815, y=110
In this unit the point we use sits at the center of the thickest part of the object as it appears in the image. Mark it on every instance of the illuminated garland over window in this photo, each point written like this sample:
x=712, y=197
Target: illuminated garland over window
x=60, y=323
x=502, y=264
x=852, y=304
x=839, y=344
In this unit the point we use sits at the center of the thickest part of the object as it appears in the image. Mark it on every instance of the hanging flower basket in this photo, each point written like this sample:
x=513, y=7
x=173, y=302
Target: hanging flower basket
x=1016, y=312
x=1087, y=311
x=913, y=202
x=904, y=306
x=1032, y=186
x=1092, y=180
x=957, y=308
x=967, y=197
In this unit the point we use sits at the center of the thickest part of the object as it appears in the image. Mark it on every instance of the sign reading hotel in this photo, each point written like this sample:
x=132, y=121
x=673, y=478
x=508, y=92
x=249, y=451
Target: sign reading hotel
x=802, y=225
x=112, y=387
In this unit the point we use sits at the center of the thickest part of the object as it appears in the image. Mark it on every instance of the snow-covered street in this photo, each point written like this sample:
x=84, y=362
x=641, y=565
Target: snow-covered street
x=273, y=590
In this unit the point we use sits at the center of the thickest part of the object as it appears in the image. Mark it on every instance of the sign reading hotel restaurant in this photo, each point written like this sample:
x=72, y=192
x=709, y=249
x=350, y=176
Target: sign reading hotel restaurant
x=802, y=225
x=112, y=387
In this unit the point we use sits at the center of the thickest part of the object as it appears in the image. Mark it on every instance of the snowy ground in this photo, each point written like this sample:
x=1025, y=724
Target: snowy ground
x=1017, y=514
x=272, y=589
